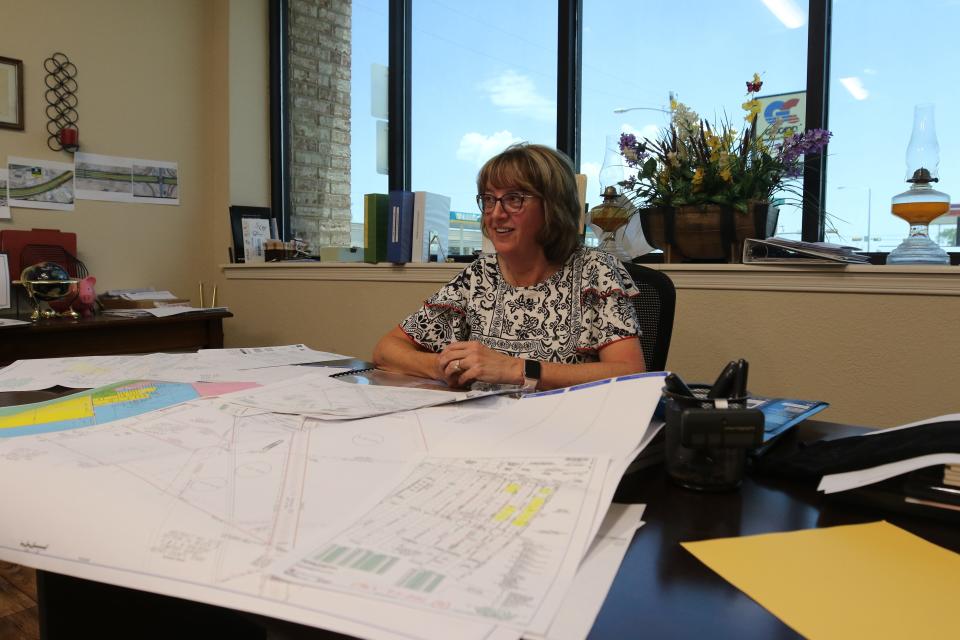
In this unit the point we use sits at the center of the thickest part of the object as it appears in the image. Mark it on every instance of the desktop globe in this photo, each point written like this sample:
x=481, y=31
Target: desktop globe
x=46, y=282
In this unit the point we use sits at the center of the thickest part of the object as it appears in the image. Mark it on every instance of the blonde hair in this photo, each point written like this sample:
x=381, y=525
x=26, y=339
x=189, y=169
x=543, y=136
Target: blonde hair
x=547, y=173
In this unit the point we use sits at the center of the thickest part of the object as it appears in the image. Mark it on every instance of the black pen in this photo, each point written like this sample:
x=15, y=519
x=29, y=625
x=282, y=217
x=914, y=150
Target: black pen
x=724, y=383
x=675, y=384
x=740, y=381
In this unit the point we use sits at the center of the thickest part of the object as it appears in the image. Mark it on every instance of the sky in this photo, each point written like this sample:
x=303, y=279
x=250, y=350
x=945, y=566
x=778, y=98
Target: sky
x=484, y=76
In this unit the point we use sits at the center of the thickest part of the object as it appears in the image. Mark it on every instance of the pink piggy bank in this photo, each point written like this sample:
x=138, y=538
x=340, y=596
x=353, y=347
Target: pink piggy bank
x=86, y=299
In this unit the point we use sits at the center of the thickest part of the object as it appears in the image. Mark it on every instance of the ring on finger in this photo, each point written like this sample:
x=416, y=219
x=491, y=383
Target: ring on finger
x=456, y=365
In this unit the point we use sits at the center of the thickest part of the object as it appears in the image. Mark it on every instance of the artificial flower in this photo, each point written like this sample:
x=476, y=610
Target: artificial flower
x=696, y=162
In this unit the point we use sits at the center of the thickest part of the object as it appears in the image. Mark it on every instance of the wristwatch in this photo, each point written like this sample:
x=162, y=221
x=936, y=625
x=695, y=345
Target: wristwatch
x=531, y=375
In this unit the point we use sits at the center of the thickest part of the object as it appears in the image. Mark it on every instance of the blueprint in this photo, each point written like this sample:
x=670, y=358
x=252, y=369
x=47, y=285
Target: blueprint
x=96, y=371
x=101, y=405
x=486, y=537
x=317, y=395
x=203, y=499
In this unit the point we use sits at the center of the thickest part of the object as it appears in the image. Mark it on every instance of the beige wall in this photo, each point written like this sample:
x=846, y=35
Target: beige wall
x=854, y=350
x=146, y=75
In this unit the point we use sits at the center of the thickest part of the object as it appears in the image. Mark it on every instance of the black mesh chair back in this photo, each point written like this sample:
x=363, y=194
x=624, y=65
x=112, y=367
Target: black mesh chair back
x=655, y=306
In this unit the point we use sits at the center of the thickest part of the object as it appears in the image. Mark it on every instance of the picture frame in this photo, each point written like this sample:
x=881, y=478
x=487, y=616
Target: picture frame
x=257, y=218
x=11, y=94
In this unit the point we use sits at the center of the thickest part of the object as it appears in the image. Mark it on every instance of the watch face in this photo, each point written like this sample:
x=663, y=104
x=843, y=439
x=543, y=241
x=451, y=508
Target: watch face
x=531, y=369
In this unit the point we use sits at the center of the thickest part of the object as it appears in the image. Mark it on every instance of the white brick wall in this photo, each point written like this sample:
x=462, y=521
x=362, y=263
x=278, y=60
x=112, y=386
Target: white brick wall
x=319, y=72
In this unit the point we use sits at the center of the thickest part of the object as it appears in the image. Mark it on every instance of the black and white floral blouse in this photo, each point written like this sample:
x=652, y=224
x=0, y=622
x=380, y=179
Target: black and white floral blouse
x=568, y=317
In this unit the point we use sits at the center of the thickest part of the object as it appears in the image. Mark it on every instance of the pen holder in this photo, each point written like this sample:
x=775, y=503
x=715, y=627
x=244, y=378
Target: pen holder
x=707, y=440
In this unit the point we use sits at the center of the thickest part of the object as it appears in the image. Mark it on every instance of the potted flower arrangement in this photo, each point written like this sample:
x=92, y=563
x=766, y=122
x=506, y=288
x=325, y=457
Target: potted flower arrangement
x=701, y=189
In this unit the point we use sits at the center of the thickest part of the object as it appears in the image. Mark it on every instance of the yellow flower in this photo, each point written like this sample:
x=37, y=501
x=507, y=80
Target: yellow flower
x=697, y=178
x=752, y=107
x=713, y=141
x=726, y=174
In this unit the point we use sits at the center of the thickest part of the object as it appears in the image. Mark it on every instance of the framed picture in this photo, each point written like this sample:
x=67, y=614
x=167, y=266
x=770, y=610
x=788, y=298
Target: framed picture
x=11, y=94
x=251, y=227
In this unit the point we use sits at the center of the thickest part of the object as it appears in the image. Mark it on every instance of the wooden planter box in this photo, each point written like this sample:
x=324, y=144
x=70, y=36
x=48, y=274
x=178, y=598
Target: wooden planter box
x=706, y=232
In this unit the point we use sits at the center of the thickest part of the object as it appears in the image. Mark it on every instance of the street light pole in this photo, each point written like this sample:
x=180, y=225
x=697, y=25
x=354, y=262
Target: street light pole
x=625, y=109
x=869, y=207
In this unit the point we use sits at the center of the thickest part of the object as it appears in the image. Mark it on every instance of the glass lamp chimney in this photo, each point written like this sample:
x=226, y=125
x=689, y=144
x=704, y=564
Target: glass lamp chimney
x=923, y=151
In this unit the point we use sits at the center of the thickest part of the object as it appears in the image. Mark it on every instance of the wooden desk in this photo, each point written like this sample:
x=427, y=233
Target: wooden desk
x=661, y=591
x=106, y=335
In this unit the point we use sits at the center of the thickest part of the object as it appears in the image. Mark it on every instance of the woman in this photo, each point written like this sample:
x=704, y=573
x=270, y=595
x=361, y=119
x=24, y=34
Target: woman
x=543, y=311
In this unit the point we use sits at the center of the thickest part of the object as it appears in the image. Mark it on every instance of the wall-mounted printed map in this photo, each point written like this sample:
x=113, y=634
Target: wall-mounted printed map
x=103, y=177
x=40, y=184
x=4, y=198
x=156, y=181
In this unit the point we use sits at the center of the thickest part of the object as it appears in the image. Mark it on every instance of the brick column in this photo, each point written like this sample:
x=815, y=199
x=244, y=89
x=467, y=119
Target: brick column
x=319, y=76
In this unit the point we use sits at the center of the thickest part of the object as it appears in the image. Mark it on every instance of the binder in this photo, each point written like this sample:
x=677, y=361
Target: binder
x=379, y=377
x=431, y=226
x=376, y=208
x=400, y=227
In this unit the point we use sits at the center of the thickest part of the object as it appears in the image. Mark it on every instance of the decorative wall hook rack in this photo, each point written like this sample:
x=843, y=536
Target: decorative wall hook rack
x=61, y=97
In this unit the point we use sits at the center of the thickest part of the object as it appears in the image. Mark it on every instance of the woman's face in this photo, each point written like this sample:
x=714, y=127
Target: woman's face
x=514, y=234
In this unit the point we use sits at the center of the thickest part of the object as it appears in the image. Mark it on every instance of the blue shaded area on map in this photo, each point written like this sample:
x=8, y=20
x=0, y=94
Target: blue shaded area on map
x=113, y=403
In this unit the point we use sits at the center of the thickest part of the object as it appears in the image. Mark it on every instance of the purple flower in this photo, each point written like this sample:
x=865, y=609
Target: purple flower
x=633, y=151
x=799, y=144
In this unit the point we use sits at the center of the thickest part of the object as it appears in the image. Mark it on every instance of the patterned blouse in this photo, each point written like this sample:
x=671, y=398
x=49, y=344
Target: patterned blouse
x=567, y=318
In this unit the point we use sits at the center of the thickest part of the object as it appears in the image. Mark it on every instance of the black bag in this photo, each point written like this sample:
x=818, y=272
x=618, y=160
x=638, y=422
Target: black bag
x=823, y=457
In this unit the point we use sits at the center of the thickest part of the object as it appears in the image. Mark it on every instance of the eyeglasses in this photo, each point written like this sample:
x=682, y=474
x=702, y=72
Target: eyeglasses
x=511, y=202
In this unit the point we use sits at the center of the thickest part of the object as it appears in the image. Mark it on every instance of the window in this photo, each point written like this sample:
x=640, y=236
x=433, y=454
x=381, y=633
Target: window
x=484, y=75
x=368, y=104
x=874, y=85
x=703, y=63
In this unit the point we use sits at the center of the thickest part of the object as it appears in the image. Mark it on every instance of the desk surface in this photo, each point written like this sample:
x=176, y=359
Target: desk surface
x=667, y=592
x=661, y=589
x=109, y=335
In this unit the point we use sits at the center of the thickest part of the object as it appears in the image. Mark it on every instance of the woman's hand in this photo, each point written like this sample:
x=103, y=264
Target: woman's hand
x=461, y=363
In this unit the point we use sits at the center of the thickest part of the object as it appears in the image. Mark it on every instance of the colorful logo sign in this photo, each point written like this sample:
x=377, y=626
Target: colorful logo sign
x=781, y=109
x=789, y=109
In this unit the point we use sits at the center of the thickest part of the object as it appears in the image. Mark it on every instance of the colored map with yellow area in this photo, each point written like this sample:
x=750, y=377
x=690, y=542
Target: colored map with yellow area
x=94, y=406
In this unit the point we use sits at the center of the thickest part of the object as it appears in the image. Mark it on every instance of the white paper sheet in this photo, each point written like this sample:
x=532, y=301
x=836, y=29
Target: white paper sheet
x=448, y=532
x=96, y=371
x=595, y=575
x=317, y=395
x=255, y=357
x=196, y=500
x=852, y=479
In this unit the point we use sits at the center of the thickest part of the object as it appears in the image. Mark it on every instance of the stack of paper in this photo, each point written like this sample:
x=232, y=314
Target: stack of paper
x=471, y=520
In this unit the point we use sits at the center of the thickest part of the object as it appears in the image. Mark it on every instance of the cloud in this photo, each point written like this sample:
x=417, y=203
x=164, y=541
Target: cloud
x=514, y=93
x=855, y=87
x=478, y=148
x=648, y=131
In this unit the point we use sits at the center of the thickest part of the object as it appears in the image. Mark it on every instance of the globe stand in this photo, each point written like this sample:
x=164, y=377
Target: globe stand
x=46, y=282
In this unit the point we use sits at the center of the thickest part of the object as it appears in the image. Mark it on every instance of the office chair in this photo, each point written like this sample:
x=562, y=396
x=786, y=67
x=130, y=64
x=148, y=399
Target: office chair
x=655, y=307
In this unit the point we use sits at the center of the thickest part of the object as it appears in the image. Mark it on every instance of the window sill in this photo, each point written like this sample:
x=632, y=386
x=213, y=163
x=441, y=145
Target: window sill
x=879, y=279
